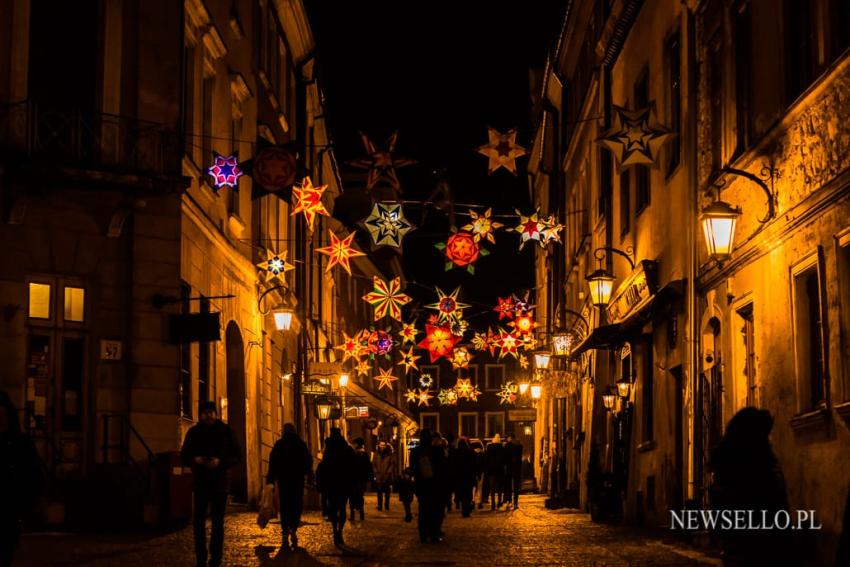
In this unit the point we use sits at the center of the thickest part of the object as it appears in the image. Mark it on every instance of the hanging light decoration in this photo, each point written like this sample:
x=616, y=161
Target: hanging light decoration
x=601, y=284
x=308, y=201
x=340, y=251
x=225, y=171
x=542, y=359
x=536, y=391
x=523, y=388
x=387, y=298
x=609, y=400
x=718, y=225
x=562, y=343
x=283, y=317
x=624, y=387
x=501, y=150
x=387, y=225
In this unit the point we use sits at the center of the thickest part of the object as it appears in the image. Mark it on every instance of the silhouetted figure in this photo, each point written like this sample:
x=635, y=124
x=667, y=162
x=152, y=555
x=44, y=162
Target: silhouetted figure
x=494, y=468
x=843, y=555
x=384, y=462
x=289, y=463
x=335, y=477
x=594, y=484
x=210, y=448
x=513, y=470
x=466, y=475
x=428, y=463
x=21, y=478
x=404, y=488
x=451, y=472
x=747, y=477
x=363, y=475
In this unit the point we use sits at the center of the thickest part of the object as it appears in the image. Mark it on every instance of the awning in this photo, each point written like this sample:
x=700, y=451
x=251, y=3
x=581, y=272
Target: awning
x=379, y=403
x=604, y=337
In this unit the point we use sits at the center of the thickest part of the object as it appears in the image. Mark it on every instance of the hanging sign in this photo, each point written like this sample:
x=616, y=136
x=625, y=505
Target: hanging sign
x=315, y=388
x=522, y=415
x=633, y=293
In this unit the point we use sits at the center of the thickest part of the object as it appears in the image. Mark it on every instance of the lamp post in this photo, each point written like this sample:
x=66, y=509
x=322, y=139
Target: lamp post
x=601, y=281
x=624, y=387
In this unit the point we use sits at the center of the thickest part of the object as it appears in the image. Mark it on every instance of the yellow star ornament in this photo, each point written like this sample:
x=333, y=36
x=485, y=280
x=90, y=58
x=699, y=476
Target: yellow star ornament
x=408, y=360
x=385, y=378
x=501, y=150
x=340, y=252
x=482, y=226
x=308, y=201
x=275, y=266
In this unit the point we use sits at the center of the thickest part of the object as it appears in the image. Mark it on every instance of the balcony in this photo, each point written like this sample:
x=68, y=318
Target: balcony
x=34, y=135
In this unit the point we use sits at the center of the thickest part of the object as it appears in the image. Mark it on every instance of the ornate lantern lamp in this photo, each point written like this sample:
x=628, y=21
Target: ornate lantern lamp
x=718, y=225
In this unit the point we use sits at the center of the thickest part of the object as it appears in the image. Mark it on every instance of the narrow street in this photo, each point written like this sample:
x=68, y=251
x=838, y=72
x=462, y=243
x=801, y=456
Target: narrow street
x=531, y=535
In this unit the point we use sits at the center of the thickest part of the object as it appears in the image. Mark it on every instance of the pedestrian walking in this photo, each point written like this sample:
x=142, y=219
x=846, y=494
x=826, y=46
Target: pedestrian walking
x=385, y=463
x=289, y=463
x=404, y=488
x=513, y=470
x=210, y=449
x=363, y=475
x=21, y=478
x=466, y=475
x=335, y=479
x=451, y=473
x=428, y=462
x=494, y=468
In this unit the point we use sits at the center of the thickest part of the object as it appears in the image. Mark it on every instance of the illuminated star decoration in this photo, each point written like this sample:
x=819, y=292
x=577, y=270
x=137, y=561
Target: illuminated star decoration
x=381, y=163
x=461, y=250
x=523, y=324
x=350, y=347
x=506, y=308
x=447, y=397
x=387, y=298
x=340, y=252
x=410, y=396
x=507, y=395
x=551, y=230
x=508, y=344
x=479, y=341
x=425, y=380
x=482, y=226
x=486, y=341
x=363, y=368
x=461, y=358
x=530, y=227
x=459, y=327
x=521, y=305
x=387, y=225
x=523, y=361
x=408, y=360
x=408, y=333
x=275, y=266
x=379, y=342
x=439, y=341
x=423, y=397
x=633, y=139
x=473, y=394
x=448, y=307
x=309, y=201
x=463, y=387
x=385, y=378
x=502, y=150
x=225, y=171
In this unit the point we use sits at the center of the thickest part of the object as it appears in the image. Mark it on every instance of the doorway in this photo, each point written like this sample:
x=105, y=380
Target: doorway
x=235, y=361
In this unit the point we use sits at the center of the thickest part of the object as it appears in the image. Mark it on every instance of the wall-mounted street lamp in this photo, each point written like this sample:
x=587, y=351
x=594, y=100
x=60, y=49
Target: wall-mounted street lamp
x=343, y=380
x=562, y=343
x=609, y=400
x=601, y=282
x=284, y=314
x=536, y=391
x=523, y=388
x=283, y=317
x=323, y=408
x=541, y=360
x=624, y=388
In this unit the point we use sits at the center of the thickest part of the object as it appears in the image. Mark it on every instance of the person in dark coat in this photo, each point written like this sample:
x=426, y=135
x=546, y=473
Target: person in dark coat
x=335, y=477
x=428, y=464
x=363, y=475
x=289, y=463
x=747, y=476
x=210, y=448
x=466, y=474
x=513, y=470
x=384, y=462
x=451, y=472
x=494, y=468
x=404, y=488
x=21, y=478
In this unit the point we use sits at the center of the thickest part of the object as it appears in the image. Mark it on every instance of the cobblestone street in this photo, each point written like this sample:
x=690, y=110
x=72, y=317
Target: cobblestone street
x=531, y=535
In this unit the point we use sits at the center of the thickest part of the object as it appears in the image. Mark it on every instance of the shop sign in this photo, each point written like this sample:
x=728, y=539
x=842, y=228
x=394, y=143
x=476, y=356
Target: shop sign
x=522, y=415
x=315, y=388
x=633, y=293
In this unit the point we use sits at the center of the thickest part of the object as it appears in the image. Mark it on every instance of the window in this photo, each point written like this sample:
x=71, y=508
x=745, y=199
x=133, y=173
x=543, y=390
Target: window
x=844, y=298
x=495, y=423
x=743, y=77
x=625, y=203
x=190, y=65
x=605, y=182
x=647, y=392
x=75, y=300
x=674, y=102
x=809, y=325
x=642, y=179
x=715, y=94
x=207, y=119
x=746, y=362
x=494, y=376
x=185, y=371
x=429, y=420
x=801, y=59
x=39, y=301
x=467, y=424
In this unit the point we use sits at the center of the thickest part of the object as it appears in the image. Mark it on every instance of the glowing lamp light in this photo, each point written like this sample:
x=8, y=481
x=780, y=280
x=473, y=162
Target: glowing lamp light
x=323, y=409
x=718, y=225
x=527, y=430
x=623, y=388
x=601, y=284
x=609, y=400
x=541, y=359
x=343, y=380
x=283, y=318
x=562, y=344
x=536, y=391
x=523, y=387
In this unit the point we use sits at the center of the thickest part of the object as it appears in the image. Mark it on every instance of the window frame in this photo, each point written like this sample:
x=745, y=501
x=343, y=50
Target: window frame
x=487, y=414
x=460, y=417
x=51, y=315
x=813, y=260
x=434, y=414
x=487, y=368
x=842, y=258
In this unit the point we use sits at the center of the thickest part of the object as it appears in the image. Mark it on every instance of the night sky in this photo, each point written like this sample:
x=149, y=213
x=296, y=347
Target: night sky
x=439, y=74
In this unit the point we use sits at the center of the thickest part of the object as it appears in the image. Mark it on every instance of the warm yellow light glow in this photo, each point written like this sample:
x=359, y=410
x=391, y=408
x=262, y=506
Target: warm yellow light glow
x=39, y=306
x=527, y=430
x=75, y=302
x=541, y=360
x=283, y=318
x=562, y=344
x=718, y=225
x=523, y=387
x=608, y=400
x=601, y=285
x=623, y=388
x=343, y=380
x=323, y=410
x=536, y=391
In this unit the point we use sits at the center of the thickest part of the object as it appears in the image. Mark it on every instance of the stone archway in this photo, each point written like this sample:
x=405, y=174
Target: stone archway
x=236, y=418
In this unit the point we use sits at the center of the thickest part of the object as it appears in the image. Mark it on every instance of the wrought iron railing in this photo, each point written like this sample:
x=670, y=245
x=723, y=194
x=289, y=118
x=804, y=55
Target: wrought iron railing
x=119, y=439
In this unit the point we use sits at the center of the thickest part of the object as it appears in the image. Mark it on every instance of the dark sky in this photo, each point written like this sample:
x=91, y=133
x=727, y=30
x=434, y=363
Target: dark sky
x=438, y=72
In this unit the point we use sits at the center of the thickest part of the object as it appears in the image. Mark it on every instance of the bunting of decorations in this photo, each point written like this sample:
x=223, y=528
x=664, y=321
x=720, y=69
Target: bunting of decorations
x=385, y=378
x=308, y=201
x=462, y=251
x=448, y=308
x=501, y=150
x=425, y=380
x=461, y=358
x=408, y=360
x=408, y=333
x=276, y=266
x=381, y=163
x=387, y=298
x=225, y=171
x=482, y=226
x=439, y=341
x=339, y=251
x=387, y=225
x=507, y=394
x=634, y=137
x=423, y=397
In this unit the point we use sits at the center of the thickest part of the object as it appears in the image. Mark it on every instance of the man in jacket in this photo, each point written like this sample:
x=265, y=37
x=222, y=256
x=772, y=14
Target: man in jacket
x=335, y=476
x=513, y=470
x=494, y=468
x=428, y=462
x=363, y=476
x=289, y=463
x=384, y=462
x=210, y=448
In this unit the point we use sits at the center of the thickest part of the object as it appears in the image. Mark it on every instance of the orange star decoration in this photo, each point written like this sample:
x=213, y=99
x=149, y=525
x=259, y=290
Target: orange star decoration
x=523, y=361
x=481, y=226
x=474, y=393
x=502, y=150
x=448, y=307
x=363, y=368
x=423, y=397
x=350, y=347
x=507, y=395
x=387, y=298
x=439, y=341
x=463, y=387
x=340, y=252
x=523, y=324
x=461, y=358
x=385, y=378
x=309, y=201
x=410, y=396
x=488, y=341
x=408, y=333
x=408, y=360
x=508, y=344
x=275, y=266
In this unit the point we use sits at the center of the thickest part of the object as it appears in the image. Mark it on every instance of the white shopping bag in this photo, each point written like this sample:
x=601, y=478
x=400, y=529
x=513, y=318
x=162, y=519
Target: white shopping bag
x=268, y=505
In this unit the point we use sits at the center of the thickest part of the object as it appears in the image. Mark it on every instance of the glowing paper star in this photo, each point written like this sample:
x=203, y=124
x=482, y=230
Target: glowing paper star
x=502, y=150
x=523, y=324
x=459, y=327
x=479, y=341
x=481, y=226
x=527, y=342
x=439, y=341
x=340, y=252
x=408, y=333
x=385, y=378
x=276, y=265
x=387, y=299
x=473, y=394
x=381, y=163
x=410, y=396
x=423, y=397
x=387, y=225
x=448, y=307
x=521, y=305
x=463, y=387
x=461, y=358
x=507, y=344
x=426, y=381
x=461, y=250
x=309, y=201
x=350, y=347
x=447, y=397
x=523, y=361
x=507, y=395
x=380, y=342
x=633, y=139
x=273, y=168
x=506, y=308
x=225, y=171
x=530, y=227
x=363, y=368
x=408, y=360
x=550, y=231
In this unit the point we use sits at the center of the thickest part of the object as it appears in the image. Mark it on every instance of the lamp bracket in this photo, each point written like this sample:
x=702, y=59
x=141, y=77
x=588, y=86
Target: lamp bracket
x=768, y=174
x=628, y=254
x=286, y=292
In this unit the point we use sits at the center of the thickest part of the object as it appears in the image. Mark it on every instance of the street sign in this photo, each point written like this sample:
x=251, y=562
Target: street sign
x=315, y=388
x=522, y=415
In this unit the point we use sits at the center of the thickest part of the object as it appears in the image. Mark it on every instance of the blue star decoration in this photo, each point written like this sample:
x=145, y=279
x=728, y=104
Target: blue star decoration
x=225, y=171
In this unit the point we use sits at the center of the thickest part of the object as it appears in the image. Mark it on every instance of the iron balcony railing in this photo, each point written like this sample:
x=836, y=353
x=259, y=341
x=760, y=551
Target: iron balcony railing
x=88, y=140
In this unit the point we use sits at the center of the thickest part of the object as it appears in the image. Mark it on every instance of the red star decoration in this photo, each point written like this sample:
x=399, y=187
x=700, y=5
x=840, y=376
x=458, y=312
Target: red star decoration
x=439, y=341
